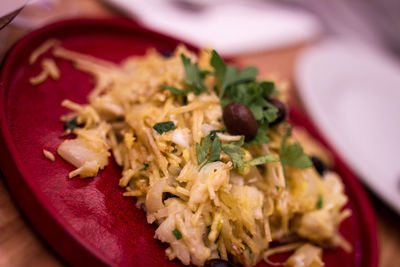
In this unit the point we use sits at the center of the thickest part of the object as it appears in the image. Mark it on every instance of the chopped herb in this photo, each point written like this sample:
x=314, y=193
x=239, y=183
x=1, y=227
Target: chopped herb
x=163, y=127
x=320, y=202
x=146, y=166
x=247, y=247
x=71, y=124
x=175, y=90
x=177, y=234
x=243, y=87
x=262, y=160
x=235, y=153
x=239, y=142
x=174, y=150
x=293, y=155
x=203, y=149
x=232, y=149
x=194, y=76
x=215, y=151
x=261, y=137
x=227, y=74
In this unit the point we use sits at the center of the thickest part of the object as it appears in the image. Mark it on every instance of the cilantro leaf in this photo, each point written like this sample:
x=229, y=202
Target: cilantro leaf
x=239, y=142
x=175, y=90
x=229, y=79
x=246, y=74
x=71, y=124
x=163, y=127
x=146, y=166
x=320, y=202
x=219, y=66
x=215, y=151
x=194, y=77
x=257, y=111
x=227, y=74
x=203, y=148
x=268, y=88
x=235, y=153
x=261, y=137
x=177, y=234
x=293, y=155
x=262, y=160
x=271, y=113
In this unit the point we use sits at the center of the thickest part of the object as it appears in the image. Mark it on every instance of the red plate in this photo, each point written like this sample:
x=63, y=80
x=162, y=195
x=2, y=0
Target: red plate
x=88, y=221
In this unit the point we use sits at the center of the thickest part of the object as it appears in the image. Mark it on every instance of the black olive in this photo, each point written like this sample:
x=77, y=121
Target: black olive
x=319, y=165
x=218, y=263
x=281, y=110
x=239, y=120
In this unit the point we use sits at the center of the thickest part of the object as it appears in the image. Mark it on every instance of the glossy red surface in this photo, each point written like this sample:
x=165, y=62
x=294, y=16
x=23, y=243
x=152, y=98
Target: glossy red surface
x=88, y=221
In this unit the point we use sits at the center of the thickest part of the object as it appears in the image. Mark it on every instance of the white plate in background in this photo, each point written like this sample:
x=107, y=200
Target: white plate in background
x=9, y=6
x=231, y=27
x=352, y=93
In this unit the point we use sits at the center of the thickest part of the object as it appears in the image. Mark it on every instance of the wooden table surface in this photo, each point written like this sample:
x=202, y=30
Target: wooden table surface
x=20, y=245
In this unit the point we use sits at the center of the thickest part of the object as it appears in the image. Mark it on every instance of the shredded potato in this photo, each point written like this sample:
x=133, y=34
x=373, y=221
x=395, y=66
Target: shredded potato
x=202, y=212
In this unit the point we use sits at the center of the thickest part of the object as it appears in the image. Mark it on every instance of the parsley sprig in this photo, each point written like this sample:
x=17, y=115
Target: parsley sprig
x=233, y=86
x=211, y=147
x=293, y=154
x=193, y=78
x=162, y=127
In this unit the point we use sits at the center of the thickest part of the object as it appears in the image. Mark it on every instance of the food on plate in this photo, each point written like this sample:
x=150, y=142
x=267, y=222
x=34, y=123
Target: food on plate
x=49, y=155
x=207, y=151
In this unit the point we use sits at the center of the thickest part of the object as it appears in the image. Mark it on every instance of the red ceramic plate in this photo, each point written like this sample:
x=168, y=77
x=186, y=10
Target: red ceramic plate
x=88, y=221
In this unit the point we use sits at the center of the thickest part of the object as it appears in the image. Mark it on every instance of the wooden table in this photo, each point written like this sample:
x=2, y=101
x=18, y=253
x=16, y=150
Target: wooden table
x=20, y=245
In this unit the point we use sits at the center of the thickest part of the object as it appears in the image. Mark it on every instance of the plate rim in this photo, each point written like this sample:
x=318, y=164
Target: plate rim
x=44, y=217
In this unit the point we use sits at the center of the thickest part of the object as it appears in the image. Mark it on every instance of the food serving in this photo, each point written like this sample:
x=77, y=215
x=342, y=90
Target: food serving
x=208, y=153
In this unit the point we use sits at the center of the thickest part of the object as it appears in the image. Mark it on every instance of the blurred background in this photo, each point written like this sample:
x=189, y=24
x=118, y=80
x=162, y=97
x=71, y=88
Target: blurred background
x=341, y=57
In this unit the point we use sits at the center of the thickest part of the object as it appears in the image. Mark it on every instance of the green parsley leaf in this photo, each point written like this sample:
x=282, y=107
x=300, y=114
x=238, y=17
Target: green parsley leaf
x=227, y=74
x=175, y=90
x=257, y=111
x=262, y=160
x=293, y=155
x=320, y=202
x=246, y=74
x=146, y=166
x=204, y=73
x=203, y=148
x=268, y=88
x=177, y=234
x=163, y=127
x=261, y=137
x=229, y=79
x=239, y=142
x=219, y=66
x=215, y=151
x=271, y=113
x=194, y=77
x=235, y=153
x=71, y=124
